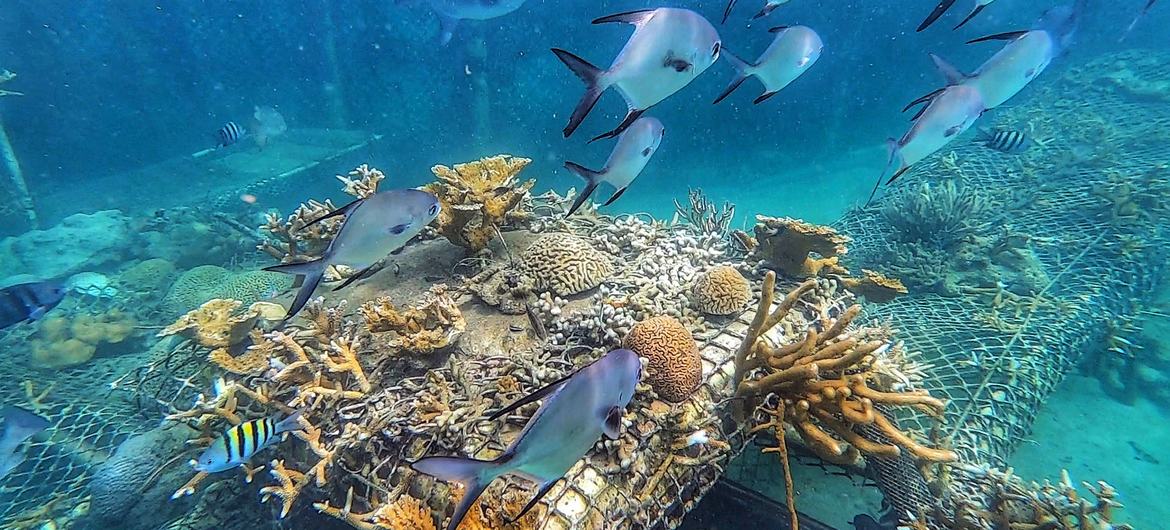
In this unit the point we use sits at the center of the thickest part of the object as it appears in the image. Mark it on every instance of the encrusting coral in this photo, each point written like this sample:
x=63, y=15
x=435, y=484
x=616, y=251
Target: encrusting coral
x=675, y=369
x=875, y=286
x=794, y=247
x=565, y=264
x=479, y=198
x=69, y=341
x=722, y=290
x=431, y=325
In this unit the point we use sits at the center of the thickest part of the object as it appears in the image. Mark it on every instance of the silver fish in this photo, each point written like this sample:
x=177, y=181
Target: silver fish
x=794, y=50
x=237, y=444
x=944, y=5
x=29, y=301
x=629, y=157
x=267, y=123
x=450, y=12
x=948, y=112
x=373, y=227
x=769, y=7
x=669, y=48
x=1025, y=56
x=577, y=410
x=19, y=425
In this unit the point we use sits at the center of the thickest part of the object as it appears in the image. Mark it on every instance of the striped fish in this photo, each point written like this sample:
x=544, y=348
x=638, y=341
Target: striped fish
x=1005, y=140
x=229, y=134
x=239, y=443
x=28, y=301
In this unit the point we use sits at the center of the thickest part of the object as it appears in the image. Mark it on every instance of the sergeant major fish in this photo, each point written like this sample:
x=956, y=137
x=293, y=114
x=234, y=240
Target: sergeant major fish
x=236, y=445
x=794, y=50
x=373, y=227
x=1005, y=140
x=629, y=157
x=450, y=12
x=945, y=5
x=29, y=301
x=577, y=410
x=1025, y=56
x=19, y=425
x=947, y=113
x=669, y=48
x=229, y=134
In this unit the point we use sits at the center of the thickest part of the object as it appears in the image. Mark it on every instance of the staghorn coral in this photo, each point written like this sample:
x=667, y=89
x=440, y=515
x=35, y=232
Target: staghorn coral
x=1000, y=499
x=433, y=324
x=702, y=214
x=362, y=181
x=722, y=290
x=675, y=369
x=479, y=198
x=875, y=286
x=215, y=324
x=792, y=246
x=565, y=264
x=405, y=513
x=69, y=341
x=823, y=385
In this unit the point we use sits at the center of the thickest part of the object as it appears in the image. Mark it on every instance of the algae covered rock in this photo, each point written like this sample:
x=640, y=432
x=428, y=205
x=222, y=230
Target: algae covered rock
x=80, y=242
x=123, y=494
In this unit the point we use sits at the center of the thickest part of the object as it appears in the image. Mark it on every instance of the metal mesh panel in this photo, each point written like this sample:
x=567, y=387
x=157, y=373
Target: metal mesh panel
x=1086, y=214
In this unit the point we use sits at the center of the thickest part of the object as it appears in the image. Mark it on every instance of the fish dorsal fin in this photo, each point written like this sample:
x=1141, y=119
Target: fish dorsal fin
x=535, y=396
x=1010, y=35
x=630, y=17
x=344, y=210
x=953, y=75
x=613, y=422
x=923, y=100
x=778, y=29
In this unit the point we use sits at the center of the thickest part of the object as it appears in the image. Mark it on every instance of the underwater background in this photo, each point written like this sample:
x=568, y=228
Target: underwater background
x=117, y=99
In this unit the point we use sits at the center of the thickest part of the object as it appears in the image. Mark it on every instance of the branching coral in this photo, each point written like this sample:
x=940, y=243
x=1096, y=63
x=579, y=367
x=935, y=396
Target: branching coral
x=702, y=214
x=939, y=216
x=405, y=513
x=823, y=384
x=796, y=248
x=1000, y=499
x=433, y=324
x=479, y=198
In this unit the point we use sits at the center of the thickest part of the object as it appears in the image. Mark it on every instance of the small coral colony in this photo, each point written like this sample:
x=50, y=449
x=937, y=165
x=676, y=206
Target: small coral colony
x=557, y=326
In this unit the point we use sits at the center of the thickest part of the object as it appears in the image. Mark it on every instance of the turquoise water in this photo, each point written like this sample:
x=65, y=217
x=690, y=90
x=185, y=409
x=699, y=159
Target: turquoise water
x=113, y=186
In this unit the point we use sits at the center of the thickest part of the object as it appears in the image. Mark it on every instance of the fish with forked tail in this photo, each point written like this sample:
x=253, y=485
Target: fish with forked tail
x=19, y=425
x=669, y=48
x=945, y=5
x=794, y=50
x=577, y=410
x=373, y=228
x=629, y=157
x=450, y=12
x=29, y=301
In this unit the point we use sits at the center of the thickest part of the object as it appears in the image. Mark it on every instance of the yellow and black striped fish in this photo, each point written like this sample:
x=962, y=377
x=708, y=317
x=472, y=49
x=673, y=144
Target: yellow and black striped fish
x=239, y=443
x=1005, y=140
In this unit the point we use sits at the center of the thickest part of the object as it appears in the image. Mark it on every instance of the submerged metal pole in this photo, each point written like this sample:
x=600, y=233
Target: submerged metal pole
x=17, y=176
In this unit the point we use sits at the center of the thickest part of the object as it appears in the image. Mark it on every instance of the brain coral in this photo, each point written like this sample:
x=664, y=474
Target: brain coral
x=194, y=287
x=146, y=276
x=253, y=286
x=721, y=291
x=675, y=369
x=565, y=264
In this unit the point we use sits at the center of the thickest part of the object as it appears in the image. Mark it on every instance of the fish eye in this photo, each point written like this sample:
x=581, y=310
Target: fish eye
x=434, y=209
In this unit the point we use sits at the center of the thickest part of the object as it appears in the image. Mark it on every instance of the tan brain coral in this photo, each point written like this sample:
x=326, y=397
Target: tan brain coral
x=675, y=369
x=566, y=264
x=721, y=291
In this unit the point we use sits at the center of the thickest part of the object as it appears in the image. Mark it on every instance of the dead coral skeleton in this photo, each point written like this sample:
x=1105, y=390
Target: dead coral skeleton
x=433, y=324
x=702, y=214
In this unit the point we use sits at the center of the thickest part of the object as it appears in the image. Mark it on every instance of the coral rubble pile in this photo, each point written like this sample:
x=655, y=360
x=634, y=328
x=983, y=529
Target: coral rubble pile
x=480, y=198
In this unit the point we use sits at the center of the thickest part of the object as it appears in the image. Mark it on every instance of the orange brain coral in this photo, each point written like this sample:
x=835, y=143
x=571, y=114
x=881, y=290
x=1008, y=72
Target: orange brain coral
x=721, y=291
x=675, y=369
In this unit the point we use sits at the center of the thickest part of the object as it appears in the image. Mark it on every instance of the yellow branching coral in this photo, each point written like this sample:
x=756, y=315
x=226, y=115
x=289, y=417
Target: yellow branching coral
x=823, y=383
x=214, y=324
x=405, y=513
x=344, y=359
x=480, y=197
x=289, y=483
x=788, y=246
x=434, y=324
x=252, y=361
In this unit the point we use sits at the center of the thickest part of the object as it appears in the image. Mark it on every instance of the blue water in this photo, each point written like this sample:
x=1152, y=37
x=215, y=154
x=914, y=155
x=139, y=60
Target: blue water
x=113, y=87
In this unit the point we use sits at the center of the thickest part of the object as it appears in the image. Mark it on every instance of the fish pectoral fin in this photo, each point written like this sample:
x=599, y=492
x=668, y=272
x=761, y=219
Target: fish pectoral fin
x=764, y=97
x=615, y=196
x=540, y=493
x=530, y=398
x=364, y=273
x=37, y=313
x=953, y=131
x=613, y=422
x=399, y=229
x=344, y=210
x=629, y=17
x=1007, y=35
x=631, y=116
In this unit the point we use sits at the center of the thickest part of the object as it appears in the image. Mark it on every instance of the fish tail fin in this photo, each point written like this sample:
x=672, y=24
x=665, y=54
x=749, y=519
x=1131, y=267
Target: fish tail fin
x=727, y=10
x=592, y=179
x=592, y=77
x=767, y=10
x=895, y=159
x=291, y=423
x=973, y=14
x=313, y=271
x=934, y=15
x=474, y=475
x=742, y=72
